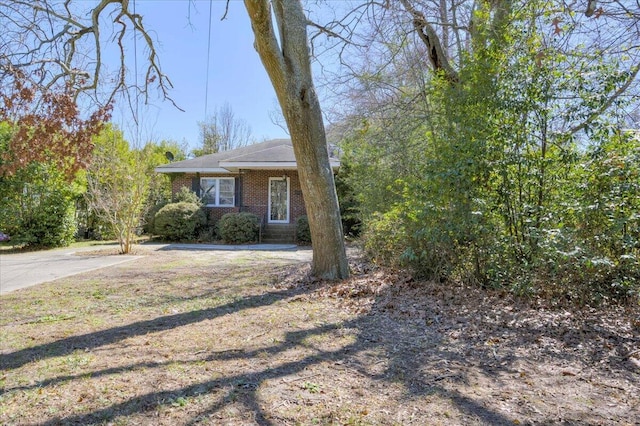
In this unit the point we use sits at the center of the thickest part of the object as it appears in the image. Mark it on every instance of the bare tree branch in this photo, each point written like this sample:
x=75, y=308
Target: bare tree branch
x=62, y=44
x=326, y=30
x=429, y=37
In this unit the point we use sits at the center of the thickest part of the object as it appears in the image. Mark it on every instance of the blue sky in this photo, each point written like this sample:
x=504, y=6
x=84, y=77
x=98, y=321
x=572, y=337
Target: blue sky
x=236, y=74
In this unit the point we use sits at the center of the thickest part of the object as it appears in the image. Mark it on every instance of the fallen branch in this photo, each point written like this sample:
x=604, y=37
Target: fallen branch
x=446, y=376
x=295, y=379
x=629, y=355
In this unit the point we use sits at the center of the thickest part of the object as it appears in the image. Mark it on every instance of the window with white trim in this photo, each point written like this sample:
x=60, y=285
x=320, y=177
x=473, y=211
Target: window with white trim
x=218, y=192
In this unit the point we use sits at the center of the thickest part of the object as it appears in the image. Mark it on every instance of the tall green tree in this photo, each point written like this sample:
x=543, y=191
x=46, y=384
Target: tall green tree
x=37, y=201
x=472, y=167
x=159, y=192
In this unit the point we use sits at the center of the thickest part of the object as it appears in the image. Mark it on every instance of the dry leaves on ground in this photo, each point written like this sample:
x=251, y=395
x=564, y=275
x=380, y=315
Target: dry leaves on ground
x=198, y=337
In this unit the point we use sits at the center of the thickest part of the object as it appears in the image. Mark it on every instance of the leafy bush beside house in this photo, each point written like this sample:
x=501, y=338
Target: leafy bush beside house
x=149, y=218
x=179, y=221
x=204, y=232
x=348, y=200
x=237, y=228
x=303, y=233
x=186, y=195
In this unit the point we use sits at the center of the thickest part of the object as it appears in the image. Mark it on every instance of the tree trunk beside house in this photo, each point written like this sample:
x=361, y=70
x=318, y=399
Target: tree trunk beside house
x=288, y=65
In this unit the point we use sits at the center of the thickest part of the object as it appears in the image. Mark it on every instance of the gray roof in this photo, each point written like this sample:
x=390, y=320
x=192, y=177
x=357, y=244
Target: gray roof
x=272, y=154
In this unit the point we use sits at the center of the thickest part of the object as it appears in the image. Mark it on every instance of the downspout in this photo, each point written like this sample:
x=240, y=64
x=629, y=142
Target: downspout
x=240, y=191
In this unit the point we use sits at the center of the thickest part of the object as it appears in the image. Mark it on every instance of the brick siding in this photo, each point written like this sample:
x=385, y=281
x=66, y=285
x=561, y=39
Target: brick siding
x=255, y=192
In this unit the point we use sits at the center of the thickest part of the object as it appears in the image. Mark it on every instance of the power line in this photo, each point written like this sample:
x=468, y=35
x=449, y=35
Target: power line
x=206, y=87
x=136, y=117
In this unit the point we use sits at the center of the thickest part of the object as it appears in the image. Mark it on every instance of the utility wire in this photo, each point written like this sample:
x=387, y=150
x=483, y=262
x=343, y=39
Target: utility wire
x=136, y=117
x=206, y=86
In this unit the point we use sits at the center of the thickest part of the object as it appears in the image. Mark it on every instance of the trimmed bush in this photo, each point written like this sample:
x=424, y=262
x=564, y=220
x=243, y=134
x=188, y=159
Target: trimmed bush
x=179, y=221
x=303, y=233
x=237, y=228
x=207, y=234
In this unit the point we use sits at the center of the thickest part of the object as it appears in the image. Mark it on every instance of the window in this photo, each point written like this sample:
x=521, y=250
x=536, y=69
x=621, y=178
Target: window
x=219, y=192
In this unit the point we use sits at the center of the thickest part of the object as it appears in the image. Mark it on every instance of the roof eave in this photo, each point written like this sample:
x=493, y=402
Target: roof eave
x=191, y=170
x=234, y=167
x=259, y=165
x=268, y=165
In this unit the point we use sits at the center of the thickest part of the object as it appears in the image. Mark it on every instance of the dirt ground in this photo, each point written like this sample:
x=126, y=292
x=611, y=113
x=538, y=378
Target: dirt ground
x=246, y=338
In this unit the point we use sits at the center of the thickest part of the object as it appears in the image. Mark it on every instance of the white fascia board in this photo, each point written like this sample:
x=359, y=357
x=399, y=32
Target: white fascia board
x=279, y=165
x=190, y=170
x=268, y=165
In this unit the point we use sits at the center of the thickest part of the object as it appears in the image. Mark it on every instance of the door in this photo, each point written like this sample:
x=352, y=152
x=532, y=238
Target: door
x=278, y=200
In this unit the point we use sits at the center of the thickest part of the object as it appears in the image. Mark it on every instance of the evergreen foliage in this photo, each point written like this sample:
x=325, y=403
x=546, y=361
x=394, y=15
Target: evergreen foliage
x=49, y=224
x=185, y=195
x=303, y=233
x=37, y=203
x=159, y=190
x=238, y=228
x=179, y=221
x=489, y=180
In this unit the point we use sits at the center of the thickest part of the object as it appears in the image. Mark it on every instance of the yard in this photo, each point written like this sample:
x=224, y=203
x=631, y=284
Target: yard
x=239, y=337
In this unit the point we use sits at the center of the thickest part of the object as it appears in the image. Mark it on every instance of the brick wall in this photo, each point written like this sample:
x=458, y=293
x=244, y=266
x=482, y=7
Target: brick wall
x=255, y=195
x=255, y=192
x=180, y=180
x=185, y=179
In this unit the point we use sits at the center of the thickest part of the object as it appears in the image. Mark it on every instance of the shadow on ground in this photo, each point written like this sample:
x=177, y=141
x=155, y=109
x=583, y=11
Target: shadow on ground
x=427, y=356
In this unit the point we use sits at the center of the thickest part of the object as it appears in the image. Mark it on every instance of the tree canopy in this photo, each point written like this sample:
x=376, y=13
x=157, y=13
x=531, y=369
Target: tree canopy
x=484, y=170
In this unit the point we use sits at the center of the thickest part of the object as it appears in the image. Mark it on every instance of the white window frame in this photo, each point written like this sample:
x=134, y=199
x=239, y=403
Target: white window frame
x=217, y=180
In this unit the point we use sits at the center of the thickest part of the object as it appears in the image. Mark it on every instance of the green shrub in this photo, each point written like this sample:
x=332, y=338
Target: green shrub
x=50, y=224
x=179, y=221
x=385, y=238
x=149, y=219
x=238, y=228
x=37, y=204
x=185, y=195
x=303, y=233
x=207, y=234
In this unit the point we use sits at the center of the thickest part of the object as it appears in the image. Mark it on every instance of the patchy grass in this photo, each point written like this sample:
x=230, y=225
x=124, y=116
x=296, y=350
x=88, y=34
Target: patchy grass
x=244, y=338
x=7, y=247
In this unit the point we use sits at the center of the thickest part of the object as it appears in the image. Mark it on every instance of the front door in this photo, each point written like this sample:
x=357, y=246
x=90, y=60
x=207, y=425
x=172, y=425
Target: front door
x=278, y=200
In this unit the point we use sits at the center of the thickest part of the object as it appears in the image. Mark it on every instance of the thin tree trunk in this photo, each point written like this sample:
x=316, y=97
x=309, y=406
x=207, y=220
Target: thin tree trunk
x=287, y=62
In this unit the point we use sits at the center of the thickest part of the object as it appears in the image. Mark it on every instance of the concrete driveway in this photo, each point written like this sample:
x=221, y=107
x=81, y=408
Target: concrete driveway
x=20, y=270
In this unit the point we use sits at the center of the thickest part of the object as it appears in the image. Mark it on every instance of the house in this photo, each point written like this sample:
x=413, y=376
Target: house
x=261, y=179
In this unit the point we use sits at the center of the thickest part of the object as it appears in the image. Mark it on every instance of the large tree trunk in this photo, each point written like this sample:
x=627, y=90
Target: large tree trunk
x=286, y=60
